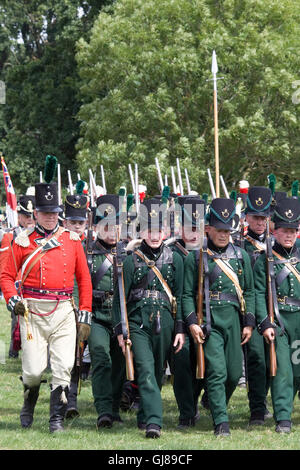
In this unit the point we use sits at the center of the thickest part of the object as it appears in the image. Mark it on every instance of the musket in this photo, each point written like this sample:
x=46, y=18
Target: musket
x=70, y=183
x=270, y=299
x=118, y=259
x=179, y=177
x=131, y=178
x=103, y=179
x=224, y=187
x=212, y=188
x=187, y=181
x=161, y=184
x=200, y=289
x=173, y=180
x=214, y=69
x=136, y=184
x=59, y=184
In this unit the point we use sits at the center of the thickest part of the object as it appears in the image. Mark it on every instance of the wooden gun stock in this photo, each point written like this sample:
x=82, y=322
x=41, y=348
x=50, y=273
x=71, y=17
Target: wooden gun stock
x=129, y=362
x=269, y=255
x=200, y=351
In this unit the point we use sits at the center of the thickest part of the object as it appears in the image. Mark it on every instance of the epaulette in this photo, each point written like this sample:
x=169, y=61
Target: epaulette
x=23, y=238
x=74, y=236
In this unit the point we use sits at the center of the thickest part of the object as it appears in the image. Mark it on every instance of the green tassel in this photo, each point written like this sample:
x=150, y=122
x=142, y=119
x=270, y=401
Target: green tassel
x=165, y=194
x=233, y=195
x=205, y=197
x=130, y=199
x=272, y=182
x=80, y=186
x=50, y=168
x=295, y=188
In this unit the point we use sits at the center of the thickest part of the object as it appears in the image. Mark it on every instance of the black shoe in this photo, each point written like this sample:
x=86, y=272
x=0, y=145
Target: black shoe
x=153, y=431
x=222, y=429
x=141, y=426
x=58, y=408
x=257, y=419
x=71, y=413
x=186, y=423
x=283, y=426
x=30, y=398
x=105, y=421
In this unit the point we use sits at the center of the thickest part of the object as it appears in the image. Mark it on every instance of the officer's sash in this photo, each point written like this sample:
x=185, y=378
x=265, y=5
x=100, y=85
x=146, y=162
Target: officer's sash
x=227, y=269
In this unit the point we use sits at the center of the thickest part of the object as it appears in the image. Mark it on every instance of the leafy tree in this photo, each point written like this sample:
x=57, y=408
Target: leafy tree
x=145, y=85
x=37, y=63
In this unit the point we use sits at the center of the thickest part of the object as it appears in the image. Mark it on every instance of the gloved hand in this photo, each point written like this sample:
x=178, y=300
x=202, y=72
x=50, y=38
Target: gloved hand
x=19, y=309
x=12, y=303
x=83, y=331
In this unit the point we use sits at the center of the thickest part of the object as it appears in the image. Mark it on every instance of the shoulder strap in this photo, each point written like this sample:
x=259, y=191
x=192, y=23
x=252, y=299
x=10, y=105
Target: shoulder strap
x=288, y=265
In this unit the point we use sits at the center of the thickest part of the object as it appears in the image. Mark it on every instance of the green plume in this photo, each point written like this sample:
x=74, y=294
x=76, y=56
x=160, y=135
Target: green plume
x=205, y=197
x=130, y=199
x=272, y=182
x=122, y=192
x=295, y=188
x=80, y=186
x=50, y=168
x=165, y=194
x=233, y=195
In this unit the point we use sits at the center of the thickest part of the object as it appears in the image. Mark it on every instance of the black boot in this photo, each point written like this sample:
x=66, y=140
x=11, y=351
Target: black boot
x=30, y=398
x=58, y=407
x=72, y=410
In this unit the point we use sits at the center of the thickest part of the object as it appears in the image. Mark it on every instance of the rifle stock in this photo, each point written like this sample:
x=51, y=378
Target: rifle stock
x=124, y=316
x=269, y=255
x=200, y=351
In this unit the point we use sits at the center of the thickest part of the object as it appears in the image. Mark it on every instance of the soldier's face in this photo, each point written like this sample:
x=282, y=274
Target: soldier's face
x=47, y=220
x=107, y=233
x=191, y=236
x=153, y=238
x=77, y=226
x=26, y=221
x=286, y=236
x=218, y=236
x=257, y=223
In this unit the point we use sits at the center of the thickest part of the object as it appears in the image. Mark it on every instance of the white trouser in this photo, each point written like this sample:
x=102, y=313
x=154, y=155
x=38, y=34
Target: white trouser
x=58, y=330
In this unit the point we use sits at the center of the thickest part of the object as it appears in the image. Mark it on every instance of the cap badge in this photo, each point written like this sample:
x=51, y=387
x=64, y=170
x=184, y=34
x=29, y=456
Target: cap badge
x=225, y=213
x=196, y=215
x=289, y=214
x=153, y=213
x=109, y=209
x=49, y=196
x=259, y=201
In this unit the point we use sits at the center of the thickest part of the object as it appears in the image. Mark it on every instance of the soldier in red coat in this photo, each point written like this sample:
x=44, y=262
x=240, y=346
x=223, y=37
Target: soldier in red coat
x=48, y=256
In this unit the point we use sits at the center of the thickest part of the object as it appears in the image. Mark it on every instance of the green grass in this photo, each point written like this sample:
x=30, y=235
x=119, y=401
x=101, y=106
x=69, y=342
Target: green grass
x=81, y=432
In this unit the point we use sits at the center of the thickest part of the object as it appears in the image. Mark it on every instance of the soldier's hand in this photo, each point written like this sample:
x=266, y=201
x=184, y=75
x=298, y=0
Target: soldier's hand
x=84, y=330
x=122, y=343
x=246, y=334
x=197, y=333
x=179, y=342
x=269, y=335
x=19, y=309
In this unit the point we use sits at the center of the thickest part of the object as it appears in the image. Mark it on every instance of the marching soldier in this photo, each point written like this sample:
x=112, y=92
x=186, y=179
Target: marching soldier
x=254, y=242
x=229, y=297
x=186, y=387
x=284, y=271
x=153, y=277
x=25, y=208
x=107, y=360
x=48, y=257
x=75, y=211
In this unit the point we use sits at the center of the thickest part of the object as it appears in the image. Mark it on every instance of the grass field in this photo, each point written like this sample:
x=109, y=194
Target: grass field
x=81, y=432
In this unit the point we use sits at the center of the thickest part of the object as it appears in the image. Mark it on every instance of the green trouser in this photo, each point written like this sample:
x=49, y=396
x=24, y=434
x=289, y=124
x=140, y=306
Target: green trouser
x=223, y=359
x=150, y=354
x=285, y=384
x=258, y=374
x=186, y=387
x=108, y=369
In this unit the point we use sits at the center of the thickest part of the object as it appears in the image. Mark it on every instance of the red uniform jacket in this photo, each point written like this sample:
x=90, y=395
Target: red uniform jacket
x=55, y=270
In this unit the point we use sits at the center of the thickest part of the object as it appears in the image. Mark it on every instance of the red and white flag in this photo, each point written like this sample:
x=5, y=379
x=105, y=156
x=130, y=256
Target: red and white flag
x=11, y=200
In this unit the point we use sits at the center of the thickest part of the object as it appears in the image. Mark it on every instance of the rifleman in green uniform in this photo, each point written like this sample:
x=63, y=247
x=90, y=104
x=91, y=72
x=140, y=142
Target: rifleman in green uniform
x=284, y=263
x=152, y=313
x=257, y=210
x=107, y=361
x=229, y=306
x=186, y=386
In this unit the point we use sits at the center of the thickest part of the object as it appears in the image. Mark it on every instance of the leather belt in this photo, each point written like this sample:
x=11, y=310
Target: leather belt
x=217, y=295
x=48, y=293
x=139, y=294
x=288, y=301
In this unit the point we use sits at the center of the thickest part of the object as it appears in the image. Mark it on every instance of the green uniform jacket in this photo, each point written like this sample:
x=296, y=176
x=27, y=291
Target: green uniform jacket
x=222, y=284
x=144, y=310
x=289, y=287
